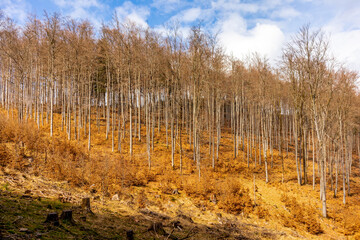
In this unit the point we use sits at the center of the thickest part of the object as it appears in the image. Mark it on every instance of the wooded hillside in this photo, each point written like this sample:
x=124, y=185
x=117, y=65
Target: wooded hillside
x=182, y=100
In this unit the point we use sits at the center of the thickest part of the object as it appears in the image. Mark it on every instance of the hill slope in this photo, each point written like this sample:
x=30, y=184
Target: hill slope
x=230, y=201
x=23, y=217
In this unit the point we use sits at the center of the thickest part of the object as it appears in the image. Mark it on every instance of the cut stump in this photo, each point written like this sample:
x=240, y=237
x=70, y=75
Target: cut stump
x=130, y=235
x=85, y=205
x=53, y=218
x=158, y=228
x=66, y=215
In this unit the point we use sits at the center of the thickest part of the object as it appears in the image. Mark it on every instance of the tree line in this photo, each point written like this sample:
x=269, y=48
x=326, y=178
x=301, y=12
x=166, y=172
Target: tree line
x=187, y=90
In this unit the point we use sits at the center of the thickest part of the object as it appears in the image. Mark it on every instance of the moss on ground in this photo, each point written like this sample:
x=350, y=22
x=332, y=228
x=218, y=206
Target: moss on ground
x=19, y=212
x=26, y=212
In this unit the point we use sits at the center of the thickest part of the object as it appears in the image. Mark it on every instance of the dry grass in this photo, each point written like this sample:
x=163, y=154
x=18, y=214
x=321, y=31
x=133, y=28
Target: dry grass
x=234, y=197
x=300, y=216
x=26, y=147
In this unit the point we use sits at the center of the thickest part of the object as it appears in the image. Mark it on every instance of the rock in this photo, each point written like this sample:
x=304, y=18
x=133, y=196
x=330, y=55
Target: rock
x=53, y=218
x=115, y=197
x=25, y=230
x=175, y=191
x=130, y=235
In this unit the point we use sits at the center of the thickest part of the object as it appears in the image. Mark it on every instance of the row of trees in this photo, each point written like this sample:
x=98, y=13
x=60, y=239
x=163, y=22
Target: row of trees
x=186, y=90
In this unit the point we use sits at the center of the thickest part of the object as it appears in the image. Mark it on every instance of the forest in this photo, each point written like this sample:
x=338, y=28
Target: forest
x=123, y=106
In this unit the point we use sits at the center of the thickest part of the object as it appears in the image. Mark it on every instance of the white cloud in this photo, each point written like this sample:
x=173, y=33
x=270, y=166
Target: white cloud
x=15, y=9
x=285, y=13
x=275, y=20
x=348, y=19
x=345, y=47
x=189, y=15
x=78, y=3
x=167, y=6
x=238, y=40
x=232, y=23
x=227, y=17
x=343, y=27
x=134, y=13
x=235, y=5
x=183, y=31
x=82, y=9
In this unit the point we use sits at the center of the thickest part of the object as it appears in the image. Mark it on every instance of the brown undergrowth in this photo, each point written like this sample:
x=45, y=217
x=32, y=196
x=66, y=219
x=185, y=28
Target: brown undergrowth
x=300, y=216
x=228, y=188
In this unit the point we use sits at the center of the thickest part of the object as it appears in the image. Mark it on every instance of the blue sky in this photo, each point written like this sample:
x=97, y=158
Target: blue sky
x=243, y=26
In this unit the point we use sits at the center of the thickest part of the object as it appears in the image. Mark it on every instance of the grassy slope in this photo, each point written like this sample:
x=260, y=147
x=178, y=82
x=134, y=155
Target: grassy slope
x=154, y=195
x=110, y=220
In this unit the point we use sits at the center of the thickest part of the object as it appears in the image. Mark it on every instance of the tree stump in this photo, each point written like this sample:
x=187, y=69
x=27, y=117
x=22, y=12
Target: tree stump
x=130, y=235
x=158, y=228
x=66, y=215
x=53, y=218
x=85, y=204
x=213, y=198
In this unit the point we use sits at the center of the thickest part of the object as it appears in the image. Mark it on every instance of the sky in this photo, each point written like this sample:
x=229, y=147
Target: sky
x=242, y=26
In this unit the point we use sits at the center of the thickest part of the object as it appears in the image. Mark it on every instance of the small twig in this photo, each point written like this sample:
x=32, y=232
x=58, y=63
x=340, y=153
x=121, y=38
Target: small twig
x=188, y=234
x=17, y=219
x=170, y=233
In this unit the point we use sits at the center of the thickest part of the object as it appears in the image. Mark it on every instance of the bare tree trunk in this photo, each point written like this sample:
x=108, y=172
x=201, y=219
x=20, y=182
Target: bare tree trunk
x=89, y=102
x=313, y=156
